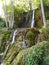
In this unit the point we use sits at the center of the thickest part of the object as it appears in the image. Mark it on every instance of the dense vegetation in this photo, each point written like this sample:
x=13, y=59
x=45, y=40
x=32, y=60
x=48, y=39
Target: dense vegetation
x=21, y=42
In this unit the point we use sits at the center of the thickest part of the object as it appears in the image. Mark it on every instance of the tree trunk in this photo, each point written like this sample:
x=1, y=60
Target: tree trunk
x=5, y=14
x=11, y=22
x=43, y=15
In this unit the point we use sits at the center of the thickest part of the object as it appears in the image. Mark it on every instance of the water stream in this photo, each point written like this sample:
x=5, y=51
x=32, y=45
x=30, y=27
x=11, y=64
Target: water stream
x=2, y=63
x=43, y=13
x=1, y=54
x=14, y=35
x=32, y=22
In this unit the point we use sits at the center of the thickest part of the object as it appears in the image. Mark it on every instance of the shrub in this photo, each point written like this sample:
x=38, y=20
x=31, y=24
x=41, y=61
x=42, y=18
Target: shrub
x=46, y=60
x=31, y=35
x=33, y=55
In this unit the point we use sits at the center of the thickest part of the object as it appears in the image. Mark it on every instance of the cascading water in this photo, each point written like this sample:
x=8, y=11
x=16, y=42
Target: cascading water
x=2, y=64
x=1, y=54
x=23, y=43
x=13, y=38
x=32, y=22
x=43, y=13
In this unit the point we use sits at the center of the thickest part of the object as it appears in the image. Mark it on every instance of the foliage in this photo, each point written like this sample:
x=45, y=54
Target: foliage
x=46, y=1
x=2, y=23
x=14, y=49
x=44, y=33
x=46, y=60
x=5, y=40
x=33, y=55
x=38, y=18
x=19, y=7
x=34, y=58
x=31, y=35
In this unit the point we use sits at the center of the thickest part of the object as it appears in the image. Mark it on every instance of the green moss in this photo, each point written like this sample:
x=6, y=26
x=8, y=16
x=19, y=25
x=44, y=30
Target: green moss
x=19, y=38
x=38, y=19
x=5, y=40
x=44, y=35
x=2, y=22
x=31, y=35
x=46, y=60
x=33, y=55
x=12, y=52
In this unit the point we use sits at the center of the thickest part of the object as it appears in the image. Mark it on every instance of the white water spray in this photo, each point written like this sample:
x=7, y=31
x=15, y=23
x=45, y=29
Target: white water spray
x=2, y=63
x=13, y=39
x=32, y=23
x=43, y=13
x=1, y=54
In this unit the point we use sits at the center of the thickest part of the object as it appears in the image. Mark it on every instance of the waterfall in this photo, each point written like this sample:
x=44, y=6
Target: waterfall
x=13, y=38
x=32, y=23
x=2, y=64
x=43, y=13
x=1, y=54
x=23, y=43
x=1, y=61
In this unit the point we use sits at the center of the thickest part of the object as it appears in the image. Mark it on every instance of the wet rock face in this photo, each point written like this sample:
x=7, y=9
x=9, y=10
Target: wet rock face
x=18, y=43
x=14, y=49
x=16, y=54
x=29, y=34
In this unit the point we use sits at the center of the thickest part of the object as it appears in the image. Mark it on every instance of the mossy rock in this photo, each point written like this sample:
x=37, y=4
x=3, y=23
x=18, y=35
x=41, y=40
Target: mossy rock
x=33, y=55
x=5, y=40
x=38, y=19
x=31, y=36
x=44, y=33
x=12, y=52
x=19, y=38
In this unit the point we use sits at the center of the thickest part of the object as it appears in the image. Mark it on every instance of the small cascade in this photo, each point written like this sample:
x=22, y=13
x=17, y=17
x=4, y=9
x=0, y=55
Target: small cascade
x=32, y=23
x=1, y=54
x=1, y=61
x=23, y=43
x=43, y=13
x=13, y=38
x=2, y=64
